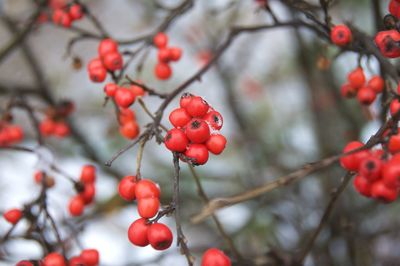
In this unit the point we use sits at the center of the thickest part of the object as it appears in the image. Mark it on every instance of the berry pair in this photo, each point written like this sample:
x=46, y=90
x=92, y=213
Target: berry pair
x=88, y=257
x=341, y=35
x=142, y=233
x=50, y=127
x=66, y=15
x=196, y=130
x=123, y=96
x=10, y=134
x=165, y=55
x=109, y=60
x=215, y=257
x=129, y=128
x=86, y=191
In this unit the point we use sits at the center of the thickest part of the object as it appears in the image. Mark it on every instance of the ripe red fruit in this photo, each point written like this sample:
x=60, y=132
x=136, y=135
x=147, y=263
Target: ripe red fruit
x=376, y=83
x=124, y=97
x=98, y=74
x=356, y=78
x=394, y=8
x=76, y=206
x=61, y=130
x=107, y=46
x=175, y=53
x=66, y=20
x=214, y=119
x=76, y=261
x=163, y=55
x=215, y=257
x=197, y=153
x=126, y=115
x=54, y=259
x=137, y=91
x=112, y=61
x=352, y=161
x=387, y=42
x=90, y=257
x=394, y=106
x=13, y=216
x=88, y=174
x=380, y=191
x=130, y=130
x=146, y=188
x=24, y=263
x=366, y=95
x=148, y=207
x=126, y=188
x=75, y=12
x=47, y=127
x=362, y=185
x=94, y=63
x=394, y=143
x=197, y=107
x=162, y=71
x=110, y=89
x=391, y=174
x=176, y=140
x=185, y=99
x=160, y=40
x=371, y=168
x=341, y=35
x=179, y=117
x=88, y=193
x=197, y=131
x=160, y=236
x=216, y=143
x=137, y=232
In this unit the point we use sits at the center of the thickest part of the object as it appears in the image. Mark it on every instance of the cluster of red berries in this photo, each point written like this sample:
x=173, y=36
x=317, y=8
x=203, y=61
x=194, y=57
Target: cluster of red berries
x=87, y=191
x=143, y=232
x=64, y=15
x=378, y=174
x=366, y=92
x=87, y=257
x=341, y=35
x=165, y=55
x=13, y=215
x=215, y=257
x=110, y=59
x=123, y=96
x=129, y=128
x=10, y=134
x=54, y=123
x=196, y=130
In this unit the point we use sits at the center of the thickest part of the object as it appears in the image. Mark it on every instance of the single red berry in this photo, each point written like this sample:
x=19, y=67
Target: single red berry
x=107, y=46
x=76, y=206
x=362, y=185
x=185, y=99
x=88, y=174
x=126, y=115
x=160, y=236
x=124, y=97
x=394, y=106
x=137, y=91
x=112, y=61
x=94, y=63
x=162, y=71
x=75, y=12
x=164, y=55
x=341, y=35
x=197, y=107
x=130, y=130
x=76, y=261
x=137, y=232
x=197, y=131
x=371, y=168
x=347, y=91
x=47, y=127
x=352, y=161
x=391, y=174
x=216, y=143
x=148, y=207
x=394, y=8
x=38, y=176
x=13, y=216
x=98, y=74
x=90, y=257
x=366, y=95
x=394, y=143
x=54, y=259
x=24, y=263
x=126, y=188
x=179, y=117
x=387, y=42
x=197, y=153
x=356, y=78
x=376, y=83
x=110, y=89
x=57, y=16
x=175, y=53
x=61, y=130
x=380, y=191
x=214, y=119
x=146, y=188
x=160, y=40
x=88, y=193
x=66, y=20
x=16, y=134
x=176, y=140
x=215, y=257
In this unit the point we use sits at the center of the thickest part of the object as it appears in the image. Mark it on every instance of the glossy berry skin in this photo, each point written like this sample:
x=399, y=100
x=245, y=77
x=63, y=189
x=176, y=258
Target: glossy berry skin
x=175, y=53
x=352, y=161
x=110, y=89
x=90, y=257
x=366, y=95
x=356, y=78
x=76, y=261
x=126, y=188
x=215, y=257
x=124, y=97
x=146, y=188
x=148, y=207
x=88, y=174
x=176, y=140
x=76, y=206
x=160, y=236
x=107, y=46
x=394, y=143
x=394, y=107
x=75, y=12
x=94, y=63
x=179, y=117
x=214, y=119
x=198, y=153
x=197, y=131
x=162, y=71
x=163, y=55
x=391, y=174
x=197, y=107
x=376, y=83
x=137, y=232
x=13, y=216
x=341, y=35
x=160, y=40
x=88, y=193
x=185, y=99
x=362, y=185
x=380, y=191
x=112, y=61
x=130, y=130
x=371, y=168
x=54, y=259
x=216, y=143
x=387, y=43
x=98, y=74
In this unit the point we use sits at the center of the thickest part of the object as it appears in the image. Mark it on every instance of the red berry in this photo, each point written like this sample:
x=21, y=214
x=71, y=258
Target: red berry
x=94, y=63
x=214, y=119
x=107, y=46
x=110, y=89
x=47, y=127
x=13, y=216
x=366, y=95
x=185, y=99
x=76, y=12
x=137, y=232
x=146, y=188
x=160, y=40
x=352, y=161
x=394, y=8
x=88, y=193
x=197, y=107
x=163, y=55
x=216, y=143
x=98, y=74
x=387, y=42
x=382, y=192
x=341, y=35
x=176, y=140
x=376, y=83
x=347, y=91
x=137, y=91
x=356, y=78
x=76, y=261
x=61, y=130
x=66, y=20
x=160, y=236
x=76, y=206
x=179, y=117
x=88, y=174
x=15, y=133
x=215, y=257
x=113, y=61
x=126, y=188
x=124, y=97
x=391, y=174
x=197, y=131
x=24, y=263
x=371, y=168
x=198, y=153
x=57, y=16
x=175, y=53
x=394, y=143
x=362, y=185
x=162, y=71
x=90, y=257
x=148, y=207
x=130, y=130
x=54, y=259
x=394, y=107
x=126, y=115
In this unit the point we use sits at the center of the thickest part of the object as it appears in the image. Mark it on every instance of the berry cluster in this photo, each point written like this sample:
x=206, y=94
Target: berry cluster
x=87, y=257
x=196, y=130
x=341, y=35
x=215, y=257
x=10, y=134
x=64, y=15
x=129, y=128
x=356, y=86
x=143, y=232
x=165, y=55
x=109, y=60
x=123, y=96
x=87, y=191
x=54, y=122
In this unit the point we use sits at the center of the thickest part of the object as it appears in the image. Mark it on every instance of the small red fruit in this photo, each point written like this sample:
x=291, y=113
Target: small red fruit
x=376, y=83
x=394, y=143
x=175, y=53
x=146, y=188
x=26, y=263
x=356, y=78
x=387, y=42
x=179, y=117
x=391, y=174
x=341, y=35
x=148, y=207
x=366, y=95
x=197, y=153
x=197, y=107
x=94, y=63
x=137, y=91
x=163, y=55
x=160, y=40
x=110, y=89
x=160, y=236
x=112, y=61
x=362, y=185
x=76, y=261
x=61, y=130
x=163, y=71
x=197, y=131
x=47, y=127
x=90, y=257
x=214, y=119
x=215, y=257
x=137, y=232
x=98, y=74
x=380, y=191
x=124, y=97
x=13, y=216
x=88, y=193
x=394, y=107
x=371, y=168
x=126, y=115
x=347, y=91
x=54, y=259
x=352, y=161
x=176, y=140
x=88, y=174
x=126, y=188
x=216, y=143
x=130, y=130
x=107, y=46
x=185, y=99
x=76, y=206
x=75, y=12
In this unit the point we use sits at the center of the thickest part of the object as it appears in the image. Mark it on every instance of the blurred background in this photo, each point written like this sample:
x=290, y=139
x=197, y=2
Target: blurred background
x=278, y=91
